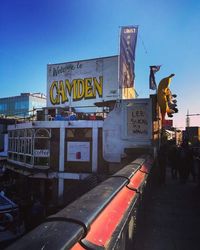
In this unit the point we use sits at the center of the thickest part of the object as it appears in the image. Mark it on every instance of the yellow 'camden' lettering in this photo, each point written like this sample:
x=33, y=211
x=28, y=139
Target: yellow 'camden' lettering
x=87, y=88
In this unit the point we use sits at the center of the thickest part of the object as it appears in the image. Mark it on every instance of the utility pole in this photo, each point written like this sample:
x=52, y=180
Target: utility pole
x=188, y=118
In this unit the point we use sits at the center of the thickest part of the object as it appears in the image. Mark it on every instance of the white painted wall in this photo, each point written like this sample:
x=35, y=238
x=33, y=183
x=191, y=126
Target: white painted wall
x=119, y=128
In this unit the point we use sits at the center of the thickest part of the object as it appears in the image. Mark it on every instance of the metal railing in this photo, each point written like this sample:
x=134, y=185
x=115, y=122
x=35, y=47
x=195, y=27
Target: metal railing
x=103, y=218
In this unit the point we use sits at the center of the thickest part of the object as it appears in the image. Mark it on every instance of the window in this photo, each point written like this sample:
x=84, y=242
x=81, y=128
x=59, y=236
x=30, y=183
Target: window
x=21, y=105
x=42, y=147
x=3, y=107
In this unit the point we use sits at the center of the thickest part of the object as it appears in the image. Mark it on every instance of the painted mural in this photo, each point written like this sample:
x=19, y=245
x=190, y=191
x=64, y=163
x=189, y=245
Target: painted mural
x=82, y=83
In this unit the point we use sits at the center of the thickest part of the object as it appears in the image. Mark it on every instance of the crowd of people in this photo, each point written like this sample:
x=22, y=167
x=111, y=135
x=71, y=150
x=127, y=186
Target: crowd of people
x=184, y=161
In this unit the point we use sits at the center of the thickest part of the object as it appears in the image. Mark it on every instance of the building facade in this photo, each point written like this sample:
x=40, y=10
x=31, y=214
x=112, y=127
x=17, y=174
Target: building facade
x=22, y=105
x=192, y=134
x=87, y=125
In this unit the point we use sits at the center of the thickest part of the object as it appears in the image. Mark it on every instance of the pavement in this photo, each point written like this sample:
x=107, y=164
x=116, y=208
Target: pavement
x=169, y=218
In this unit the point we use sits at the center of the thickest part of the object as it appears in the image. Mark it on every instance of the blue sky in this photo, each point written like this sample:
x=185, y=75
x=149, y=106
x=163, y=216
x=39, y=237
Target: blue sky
x=35, y=33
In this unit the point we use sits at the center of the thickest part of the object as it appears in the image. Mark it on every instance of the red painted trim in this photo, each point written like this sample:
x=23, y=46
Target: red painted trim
x=105, y=224
x=77, y=246
x=103, y=227
x=137, y=179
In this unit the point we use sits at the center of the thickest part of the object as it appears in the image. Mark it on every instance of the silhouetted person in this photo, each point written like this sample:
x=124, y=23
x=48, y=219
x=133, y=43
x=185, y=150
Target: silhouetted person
x=198, y=167
x=191, y=164
x=162, y=161
x=197, y=163
x=186, y=161
x=173, y=159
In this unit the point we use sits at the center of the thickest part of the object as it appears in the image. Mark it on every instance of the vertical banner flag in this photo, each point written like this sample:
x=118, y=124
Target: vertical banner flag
x=152, y=80
x=128, y=38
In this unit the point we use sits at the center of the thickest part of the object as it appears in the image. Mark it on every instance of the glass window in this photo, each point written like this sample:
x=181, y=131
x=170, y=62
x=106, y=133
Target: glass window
x=21, y=105
x=39, y=133
x=29, y=133
x=15, y=144
x=15, y=133
x=10, y=144
x=3, y=106
x=21, y=133
x=28, y=147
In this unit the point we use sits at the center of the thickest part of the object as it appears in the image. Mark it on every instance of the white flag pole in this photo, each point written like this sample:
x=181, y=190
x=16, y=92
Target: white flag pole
x=119, y=94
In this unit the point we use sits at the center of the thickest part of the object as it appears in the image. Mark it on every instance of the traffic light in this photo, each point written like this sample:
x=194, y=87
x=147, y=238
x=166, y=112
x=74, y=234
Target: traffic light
x=165, y=98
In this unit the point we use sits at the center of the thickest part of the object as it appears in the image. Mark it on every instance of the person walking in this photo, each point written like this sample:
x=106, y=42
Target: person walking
x=173, y=161
x=186, y=162
x=162, y=162
x=197, y=164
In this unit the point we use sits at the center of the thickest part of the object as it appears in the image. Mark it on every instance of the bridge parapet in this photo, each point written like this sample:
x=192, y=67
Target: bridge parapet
x=103, y=218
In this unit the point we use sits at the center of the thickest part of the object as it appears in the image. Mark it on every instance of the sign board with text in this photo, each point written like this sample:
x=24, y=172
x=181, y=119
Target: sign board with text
x=128, y=126
x=137, y=118
x=82, y=83
x=41, y=153
x=78, y=151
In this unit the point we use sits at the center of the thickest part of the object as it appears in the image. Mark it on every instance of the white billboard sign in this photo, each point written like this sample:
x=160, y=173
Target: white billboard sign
x=78, y=151
x=82, y=83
